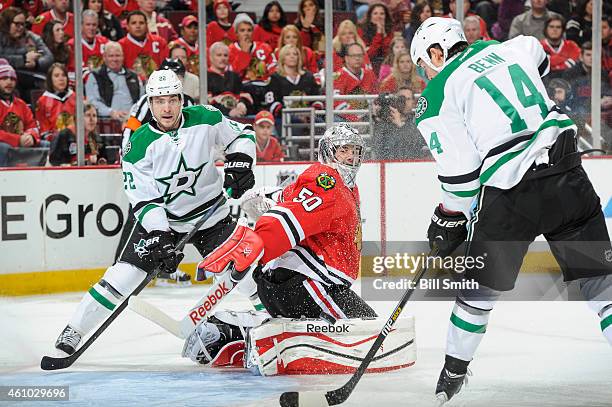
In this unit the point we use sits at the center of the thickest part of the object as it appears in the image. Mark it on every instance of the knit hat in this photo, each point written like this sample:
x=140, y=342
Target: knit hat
x=6, y=70
x=242, y=18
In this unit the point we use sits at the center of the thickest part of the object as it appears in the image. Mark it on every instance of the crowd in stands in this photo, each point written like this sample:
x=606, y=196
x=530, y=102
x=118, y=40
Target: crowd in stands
x=254, y=64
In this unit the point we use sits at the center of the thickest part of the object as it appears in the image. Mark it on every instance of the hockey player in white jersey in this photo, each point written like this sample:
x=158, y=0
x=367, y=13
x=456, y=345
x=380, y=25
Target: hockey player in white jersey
x=507, y=160
x=171, y=180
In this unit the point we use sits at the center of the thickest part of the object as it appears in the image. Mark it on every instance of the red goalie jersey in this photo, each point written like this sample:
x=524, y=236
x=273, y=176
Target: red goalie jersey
x=315, y=229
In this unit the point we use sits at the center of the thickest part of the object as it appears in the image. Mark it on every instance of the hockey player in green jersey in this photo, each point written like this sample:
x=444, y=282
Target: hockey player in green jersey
x=171, y=180
x=507, y=160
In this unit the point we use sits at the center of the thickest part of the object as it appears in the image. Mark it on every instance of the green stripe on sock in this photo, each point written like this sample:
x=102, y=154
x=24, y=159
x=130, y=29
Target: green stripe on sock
x=606, y=322
x=466, y=326
x=259, y=307
x=101, y=299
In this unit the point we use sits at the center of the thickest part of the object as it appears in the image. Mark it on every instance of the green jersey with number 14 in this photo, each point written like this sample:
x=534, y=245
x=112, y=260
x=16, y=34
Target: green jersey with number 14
x=170, y=177
x=486, y=118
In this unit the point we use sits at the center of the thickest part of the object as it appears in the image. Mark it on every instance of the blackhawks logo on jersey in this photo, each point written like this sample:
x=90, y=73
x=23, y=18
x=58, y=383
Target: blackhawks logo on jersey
x=326, y=181
x=421, y=107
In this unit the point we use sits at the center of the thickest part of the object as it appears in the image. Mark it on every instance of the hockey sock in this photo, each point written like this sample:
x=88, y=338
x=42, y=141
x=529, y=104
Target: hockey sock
x=95, y=307
x=598, y=292
x=467, y=326
x=606, y=322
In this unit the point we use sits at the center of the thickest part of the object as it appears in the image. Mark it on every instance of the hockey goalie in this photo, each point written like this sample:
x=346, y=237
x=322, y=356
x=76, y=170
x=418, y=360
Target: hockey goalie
x=309, y=236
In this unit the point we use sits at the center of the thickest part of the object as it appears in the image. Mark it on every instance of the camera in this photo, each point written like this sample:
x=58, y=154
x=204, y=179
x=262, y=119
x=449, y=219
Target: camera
x=386, y=101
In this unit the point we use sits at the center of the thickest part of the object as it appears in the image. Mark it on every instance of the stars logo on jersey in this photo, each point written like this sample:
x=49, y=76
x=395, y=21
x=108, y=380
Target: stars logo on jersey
x=140, y=248
x=421, y=107
x=609, y=255
x=181, y=181
x=234, y=126
x=326, y=181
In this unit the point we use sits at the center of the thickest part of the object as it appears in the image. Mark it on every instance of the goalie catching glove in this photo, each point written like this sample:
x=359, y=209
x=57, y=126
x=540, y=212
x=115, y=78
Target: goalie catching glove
x=241, y=250
x=447, y=229
x=239, y=175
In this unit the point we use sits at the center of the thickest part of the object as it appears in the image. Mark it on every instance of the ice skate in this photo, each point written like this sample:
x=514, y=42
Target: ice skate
x=178, y=278
x=68, y=340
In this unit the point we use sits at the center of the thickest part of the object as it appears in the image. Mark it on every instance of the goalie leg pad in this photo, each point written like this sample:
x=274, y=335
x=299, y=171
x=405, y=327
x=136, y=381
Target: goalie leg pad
x=285, y=346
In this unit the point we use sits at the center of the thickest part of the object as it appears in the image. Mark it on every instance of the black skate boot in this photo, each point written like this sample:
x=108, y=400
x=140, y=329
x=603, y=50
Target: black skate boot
x=68, y=340
x=178, y=278
x=452, y=377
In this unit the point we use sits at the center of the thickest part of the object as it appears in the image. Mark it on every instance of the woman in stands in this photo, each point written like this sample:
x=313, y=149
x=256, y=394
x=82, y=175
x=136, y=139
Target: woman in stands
x=347, y=34
x=221, y=29
x=53, y=35
x=310, y=25
x=377, y=32
x=398, y=44
x=420, y=12
x=290, y=79
x=290, y=35
x=55, y=108
x=108, y=24
x=403, y=74
x=273, y=20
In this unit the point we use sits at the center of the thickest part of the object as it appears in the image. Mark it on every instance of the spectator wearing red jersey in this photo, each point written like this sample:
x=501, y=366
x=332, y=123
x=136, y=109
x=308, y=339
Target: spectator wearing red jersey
x=563, y=53
x=17, y=124
x=189, y=40
x=55, y=108
x=310, y=25
x=253, y=61
x=53, y=35
x=398, y=44
x=272, y=21
x=59, y=11
x=347, y=34
x=354, y=79
x=606, y=39
x=157, y=24
x=143, y=51
x=120, y=8
x=221, y=29
x=377, y=32
x=92, y=43
x=403, y=74
x=268, y=148
x=290, y=35
x=108, y=23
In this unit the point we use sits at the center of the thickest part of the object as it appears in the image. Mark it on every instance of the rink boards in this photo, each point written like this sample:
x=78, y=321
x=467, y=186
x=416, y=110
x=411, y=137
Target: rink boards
x=59, y=228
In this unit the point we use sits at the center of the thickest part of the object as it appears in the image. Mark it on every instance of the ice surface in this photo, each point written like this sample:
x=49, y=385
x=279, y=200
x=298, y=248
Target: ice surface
x=534, y=354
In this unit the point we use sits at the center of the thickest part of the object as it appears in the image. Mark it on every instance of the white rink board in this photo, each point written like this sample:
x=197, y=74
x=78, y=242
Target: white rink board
x=410, y=189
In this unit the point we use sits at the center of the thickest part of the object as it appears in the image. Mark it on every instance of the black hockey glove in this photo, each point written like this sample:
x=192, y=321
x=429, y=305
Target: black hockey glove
x=238, y=174
x=162, y=250
x=447, y=229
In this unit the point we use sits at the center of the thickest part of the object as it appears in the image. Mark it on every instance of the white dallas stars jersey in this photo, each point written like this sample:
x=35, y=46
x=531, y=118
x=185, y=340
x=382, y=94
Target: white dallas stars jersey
x=171, y=178
x=487, y=117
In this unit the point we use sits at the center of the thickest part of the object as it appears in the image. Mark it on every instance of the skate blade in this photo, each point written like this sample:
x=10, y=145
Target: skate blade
x=172, y=283
x=441, y=399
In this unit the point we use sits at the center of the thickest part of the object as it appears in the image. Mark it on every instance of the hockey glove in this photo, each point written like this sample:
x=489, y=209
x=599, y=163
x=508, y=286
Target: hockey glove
x=447, y=229
x=238, y=174
x=162, y=250
x=257, y=201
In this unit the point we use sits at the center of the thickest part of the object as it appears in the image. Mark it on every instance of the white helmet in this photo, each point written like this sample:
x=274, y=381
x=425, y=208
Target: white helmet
x=164, y=82
x=444, y=32
x=336, y=137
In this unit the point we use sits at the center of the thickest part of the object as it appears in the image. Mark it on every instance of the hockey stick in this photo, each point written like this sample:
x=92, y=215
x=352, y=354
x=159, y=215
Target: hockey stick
x=182, y=328
x=339, y=396
x=53, y=363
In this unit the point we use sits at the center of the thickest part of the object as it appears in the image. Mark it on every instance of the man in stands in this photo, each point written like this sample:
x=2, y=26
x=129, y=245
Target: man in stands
x=157, y=24
x=268, y=148
x=253, y=61
x=531, y=22
x=59, y=12
x=17, y=124
x=92, y=43
x=113, y=88
x=563, y=53
x=189, y=40
x=225, y=90
x=143, y=51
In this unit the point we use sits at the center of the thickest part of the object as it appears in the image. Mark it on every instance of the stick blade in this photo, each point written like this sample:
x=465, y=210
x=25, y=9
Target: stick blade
x=304, y=399
x=155, y=315
x=51, y=363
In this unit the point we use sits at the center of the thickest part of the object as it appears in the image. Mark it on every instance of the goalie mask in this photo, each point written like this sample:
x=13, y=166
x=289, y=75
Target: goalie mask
x=342, y=148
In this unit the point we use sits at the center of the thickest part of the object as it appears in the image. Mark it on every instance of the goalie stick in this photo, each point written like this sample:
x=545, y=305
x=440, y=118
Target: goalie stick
x=339, y=396
x=55, y=363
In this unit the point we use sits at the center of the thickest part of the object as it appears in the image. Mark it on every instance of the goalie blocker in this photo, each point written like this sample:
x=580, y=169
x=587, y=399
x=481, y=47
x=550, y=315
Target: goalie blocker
x=306, y=346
